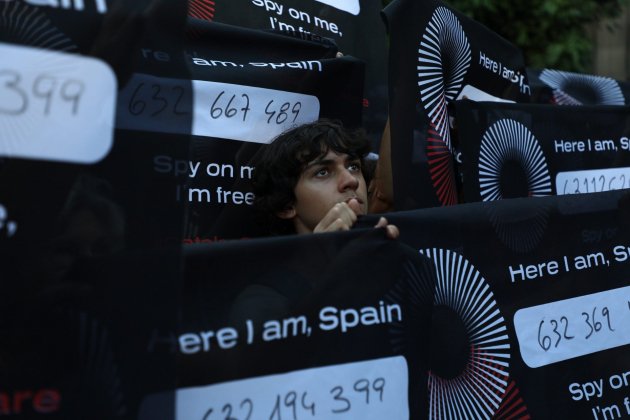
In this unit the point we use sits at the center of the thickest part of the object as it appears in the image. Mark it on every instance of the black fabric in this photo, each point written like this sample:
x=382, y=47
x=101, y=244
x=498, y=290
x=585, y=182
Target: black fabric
x=478, y=250
x=437, y=55
x=354, y=26
x=520, y=150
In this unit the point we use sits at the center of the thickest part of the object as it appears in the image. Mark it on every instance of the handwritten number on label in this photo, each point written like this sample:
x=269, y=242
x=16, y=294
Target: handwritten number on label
x=289, y=401
x=595, y=326
x=161, y=99
x=44, y=87
x=217, y=111
x=208, y=414
x=545, y=342
x=270, y=113
x=281, y=115
x=363, y=385
x=246, y=108
x=555, y=331
x=566, y=328
x=178, y=100
x=13, y=85
x=136, y=106
x=227, y=410
x=379, y=386
x=337, y=393
x=310, y=407
x=71, y=91
x=296, y=110
x=606, y=313
x=250, y=406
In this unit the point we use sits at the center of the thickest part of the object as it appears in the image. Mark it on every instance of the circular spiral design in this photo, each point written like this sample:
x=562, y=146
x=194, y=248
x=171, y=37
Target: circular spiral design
x=444, y=57
x=477, y=391
x=441, y=168
x=27, y=25
x=509, y=141
x=582, y=89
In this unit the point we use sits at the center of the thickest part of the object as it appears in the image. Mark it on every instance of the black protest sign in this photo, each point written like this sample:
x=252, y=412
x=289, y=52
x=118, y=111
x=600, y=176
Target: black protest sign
x=438, y=56
x=560, y=87
x=76, y=197
x=313, y=325
x=518, y=150
x=531, y=305
x=354, y=25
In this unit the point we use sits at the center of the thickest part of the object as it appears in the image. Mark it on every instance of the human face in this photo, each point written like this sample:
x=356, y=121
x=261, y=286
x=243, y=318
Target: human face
x=330, y=179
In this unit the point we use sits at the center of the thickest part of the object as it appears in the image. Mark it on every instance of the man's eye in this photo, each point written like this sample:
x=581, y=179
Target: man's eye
x=321, y=173
x=354, y=167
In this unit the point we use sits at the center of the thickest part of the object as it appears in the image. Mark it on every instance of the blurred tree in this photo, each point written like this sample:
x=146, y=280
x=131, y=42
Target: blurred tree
x=551, y=33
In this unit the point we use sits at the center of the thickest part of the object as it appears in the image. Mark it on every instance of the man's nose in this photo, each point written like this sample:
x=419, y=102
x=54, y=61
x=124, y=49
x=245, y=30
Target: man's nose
x=348, y=180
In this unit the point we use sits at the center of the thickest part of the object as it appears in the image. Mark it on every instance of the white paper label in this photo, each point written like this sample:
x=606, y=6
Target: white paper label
x=350, y=6
x=478, y=95
x=212, y=109
x=55, y=106
x=593, y=180
x=574, y=327
x=375, y=389
x=248, y=113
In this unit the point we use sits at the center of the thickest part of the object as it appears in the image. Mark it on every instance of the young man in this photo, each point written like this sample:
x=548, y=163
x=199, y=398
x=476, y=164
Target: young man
x=310, y=179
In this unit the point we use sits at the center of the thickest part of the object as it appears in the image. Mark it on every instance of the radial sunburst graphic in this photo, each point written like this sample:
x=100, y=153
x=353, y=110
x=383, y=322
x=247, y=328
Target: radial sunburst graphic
x=506, y=145
x=513, y=406
x=582, y=89
x=416, y=288
x=201, y=9
x=520, y=228
x=444, y=57
x=478, y=389
x=27, y=25
x=441, y=168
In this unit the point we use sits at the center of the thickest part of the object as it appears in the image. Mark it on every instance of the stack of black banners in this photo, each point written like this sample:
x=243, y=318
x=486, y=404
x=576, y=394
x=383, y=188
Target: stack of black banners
x=438, y=56
x=354, y=25
x=517, y=150
x=109, y=148
x=484, y=310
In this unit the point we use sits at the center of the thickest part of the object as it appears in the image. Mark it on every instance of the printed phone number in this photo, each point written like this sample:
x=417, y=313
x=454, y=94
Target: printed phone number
x=574, y=327
x=297, y=405
x=589, y=181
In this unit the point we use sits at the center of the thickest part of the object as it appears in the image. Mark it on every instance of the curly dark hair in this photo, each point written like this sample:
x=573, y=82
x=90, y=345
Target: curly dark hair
x=279, y=165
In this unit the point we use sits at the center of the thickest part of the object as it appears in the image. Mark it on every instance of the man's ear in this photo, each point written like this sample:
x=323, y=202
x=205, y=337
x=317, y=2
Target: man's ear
x=288, y=213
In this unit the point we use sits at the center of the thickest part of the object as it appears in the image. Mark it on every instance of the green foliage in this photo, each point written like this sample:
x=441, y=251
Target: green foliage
x=551, y=33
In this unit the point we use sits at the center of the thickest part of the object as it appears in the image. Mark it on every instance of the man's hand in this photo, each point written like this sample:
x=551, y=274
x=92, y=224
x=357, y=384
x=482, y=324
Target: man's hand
x=391, y=231
x=344, y=215
x=341, y=217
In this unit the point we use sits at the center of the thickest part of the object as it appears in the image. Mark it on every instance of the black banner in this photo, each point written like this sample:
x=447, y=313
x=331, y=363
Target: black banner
x=311, y=326
x=103, y=125
x=354, y=25
x=531, y=306
x=438, y=55
x=518, y=150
